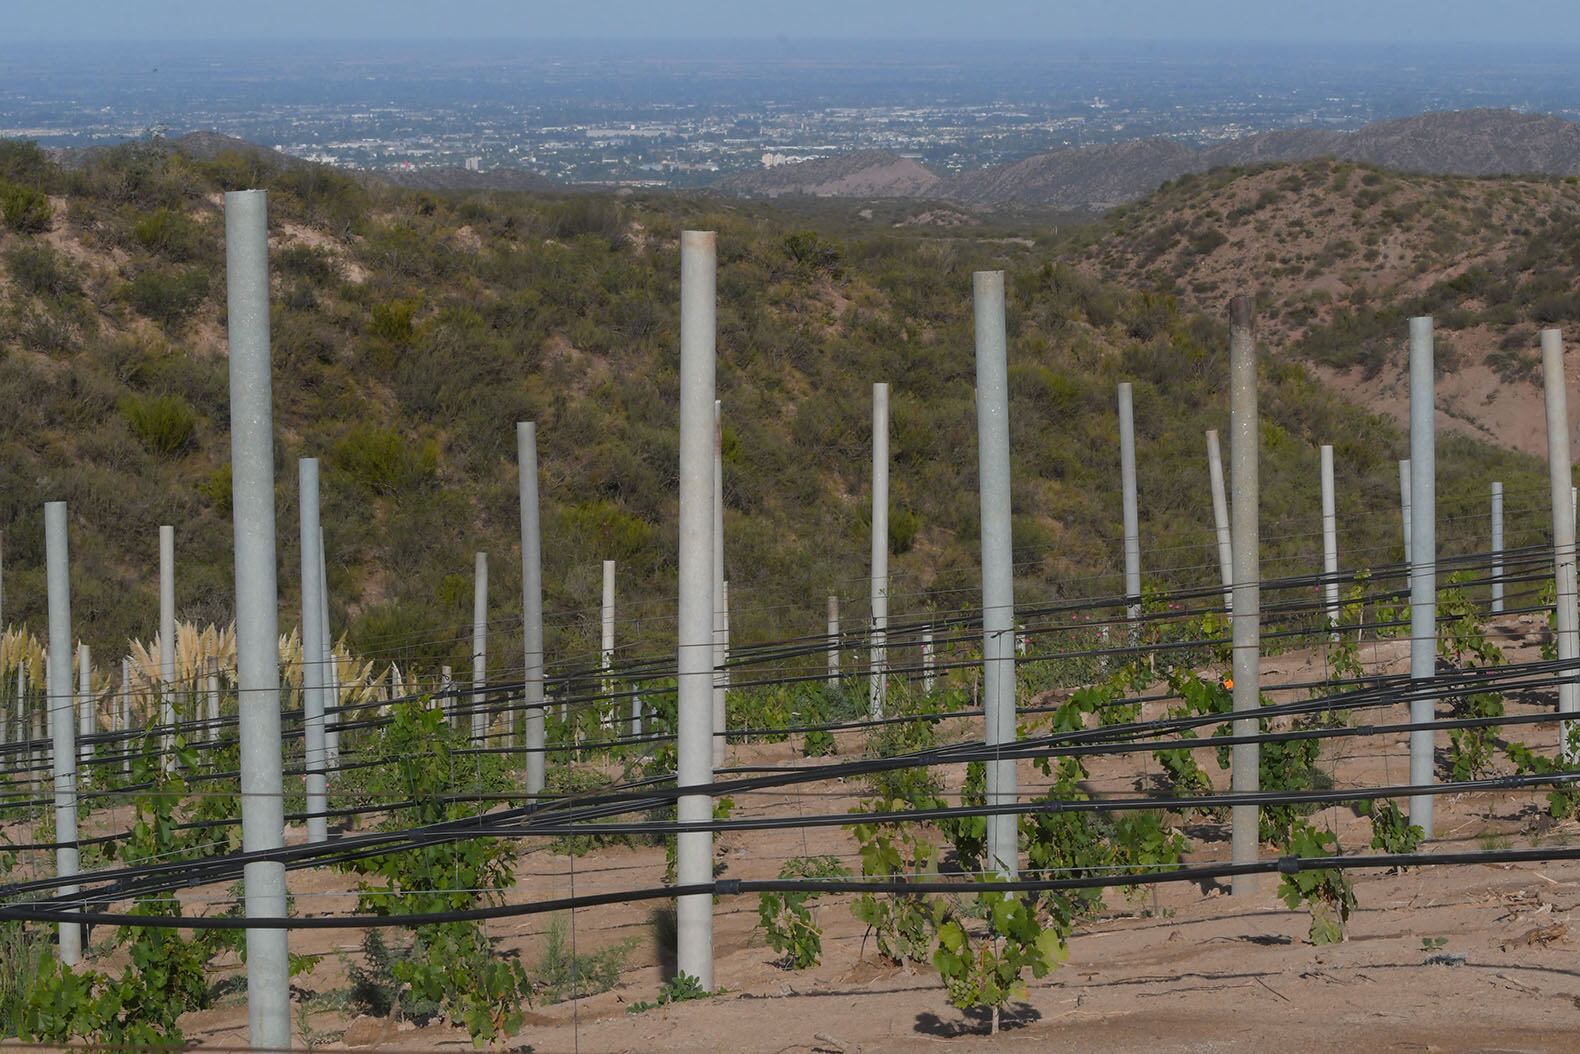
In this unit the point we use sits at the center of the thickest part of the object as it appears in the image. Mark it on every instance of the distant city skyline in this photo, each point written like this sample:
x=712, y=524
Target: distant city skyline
x=1535, y=22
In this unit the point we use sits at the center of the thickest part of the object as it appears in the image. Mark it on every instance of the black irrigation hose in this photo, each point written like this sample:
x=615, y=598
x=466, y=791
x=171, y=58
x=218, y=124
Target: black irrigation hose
x=1283, y=865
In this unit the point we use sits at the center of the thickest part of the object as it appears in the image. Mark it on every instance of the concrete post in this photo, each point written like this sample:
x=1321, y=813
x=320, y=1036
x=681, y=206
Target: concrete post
x=479, y=648
x=1330, y=541
x=1423, y=561
x=1132, y=528
x=1560, y=474
x=312, y=655
x=330, y=681
x=1246, y=622
x=928, y=678
x=1497, y=548
x=694, y=681
x=167, y=640
x=1220, y=519
x=213, y=699
x=129, y=744
x=721, y=618
x=1404, y=509
x=606, y=648
x=257, y=604
x=998, y=572
x=833, y=639
x=877, y=677
x=84, y=709
x=531, y=604
x=62, y=720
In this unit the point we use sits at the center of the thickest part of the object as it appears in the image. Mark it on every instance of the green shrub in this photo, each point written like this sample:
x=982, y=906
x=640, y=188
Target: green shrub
x=164, y=424
x=38, y=269
x=171, y=234
x=560, y=973
x=392, y=322
x=167, y=295
x=25, y=209
x=384, y=461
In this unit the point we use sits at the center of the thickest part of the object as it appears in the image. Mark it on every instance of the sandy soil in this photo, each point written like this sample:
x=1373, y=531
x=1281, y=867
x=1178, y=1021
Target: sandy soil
x=1184, y=968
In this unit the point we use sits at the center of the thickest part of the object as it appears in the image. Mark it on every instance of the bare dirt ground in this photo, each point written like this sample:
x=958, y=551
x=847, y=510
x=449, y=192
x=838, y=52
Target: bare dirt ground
x=1180, y=967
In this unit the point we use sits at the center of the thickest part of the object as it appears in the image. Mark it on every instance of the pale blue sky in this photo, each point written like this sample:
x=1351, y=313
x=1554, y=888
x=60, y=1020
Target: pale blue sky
x=1545, y=22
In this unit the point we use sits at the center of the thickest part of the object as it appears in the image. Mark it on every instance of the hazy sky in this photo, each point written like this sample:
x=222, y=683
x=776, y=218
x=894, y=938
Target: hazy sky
x=1546, y=22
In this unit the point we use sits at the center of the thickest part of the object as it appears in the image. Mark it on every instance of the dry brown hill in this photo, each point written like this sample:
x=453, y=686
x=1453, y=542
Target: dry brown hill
x=1340, y=256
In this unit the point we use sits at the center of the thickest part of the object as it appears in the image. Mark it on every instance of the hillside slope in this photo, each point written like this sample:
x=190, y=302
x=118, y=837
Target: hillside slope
x=863, y=174
x=411, y=331
x=1340, y=256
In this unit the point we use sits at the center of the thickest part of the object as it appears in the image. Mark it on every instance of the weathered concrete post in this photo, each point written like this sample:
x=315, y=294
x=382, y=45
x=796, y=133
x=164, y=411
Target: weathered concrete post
x=721, y=616
x=1423, y=562
x=257, y=606
x=1246, y=622
x=1220, y=519
x=1497, y=548
x=878, y=677
x=928, y=666
x=833, y=639
x=1330, y=542
x=694, y=680
x=167, y=640
x=1127, y=482
x=314, y=759
x=213, y=699
x=85, y=720
x=998, y=572
x=531, y=604
x=480, y=648
x=606, y=647
x=62, y=720
x=1560, y=473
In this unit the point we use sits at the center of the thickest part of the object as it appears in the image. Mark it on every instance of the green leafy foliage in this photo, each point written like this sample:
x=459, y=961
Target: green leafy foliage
x=1327, y=892
x=1462, y=641
x=985, y=967
x=1392, y=831
x=787, y=919
x=451, y=964
x=682, y=988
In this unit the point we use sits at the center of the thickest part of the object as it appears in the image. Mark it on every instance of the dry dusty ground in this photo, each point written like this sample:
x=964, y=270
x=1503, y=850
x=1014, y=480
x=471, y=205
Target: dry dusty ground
x=1184, y=969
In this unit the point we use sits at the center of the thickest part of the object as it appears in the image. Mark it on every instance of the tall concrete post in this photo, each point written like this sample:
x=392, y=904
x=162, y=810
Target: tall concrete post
x=878, y=675
x=1246, y=622
x=531, y=604
x=1220, y=519
x=1560, y=473
x=1404, y=509
x=998, y=570
x=928, y=665
x=330, y=682
x=1132, y=528
x=606, y=646
x=1497, y=548
x=257, y=607
x=721, y=615
x=84, y=709
x=129, y=745
x=1423, y=561
x=312, y=655
x=694, y=680
x=62, y=720
x=479, y=648
x=213, y=699
x=1330, y=541
x=167, y=639
x=833, y=639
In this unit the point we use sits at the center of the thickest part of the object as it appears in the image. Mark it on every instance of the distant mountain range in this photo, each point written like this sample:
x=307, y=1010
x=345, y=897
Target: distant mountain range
x=1097, y=178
